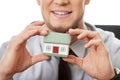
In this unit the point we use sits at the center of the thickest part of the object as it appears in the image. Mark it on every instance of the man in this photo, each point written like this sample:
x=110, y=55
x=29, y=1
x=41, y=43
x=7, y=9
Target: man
x=23, y=58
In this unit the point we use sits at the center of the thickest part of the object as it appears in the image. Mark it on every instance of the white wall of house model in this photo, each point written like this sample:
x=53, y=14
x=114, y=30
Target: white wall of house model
x=56, y=49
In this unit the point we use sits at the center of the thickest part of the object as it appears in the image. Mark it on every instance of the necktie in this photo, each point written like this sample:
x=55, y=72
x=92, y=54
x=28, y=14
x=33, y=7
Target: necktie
x=64, y=72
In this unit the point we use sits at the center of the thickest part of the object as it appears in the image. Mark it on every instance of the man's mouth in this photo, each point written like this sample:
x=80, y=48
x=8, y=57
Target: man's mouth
x=61, y=12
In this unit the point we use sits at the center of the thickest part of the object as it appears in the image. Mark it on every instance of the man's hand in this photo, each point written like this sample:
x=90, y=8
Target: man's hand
x=16, y=57
x=97, y=62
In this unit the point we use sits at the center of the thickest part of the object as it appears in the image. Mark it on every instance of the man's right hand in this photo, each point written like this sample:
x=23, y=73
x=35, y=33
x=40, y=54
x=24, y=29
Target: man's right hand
x=16, y=57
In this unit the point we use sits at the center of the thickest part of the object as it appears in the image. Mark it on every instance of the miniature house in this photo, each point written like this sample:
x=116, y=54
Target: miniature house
x=57, y=44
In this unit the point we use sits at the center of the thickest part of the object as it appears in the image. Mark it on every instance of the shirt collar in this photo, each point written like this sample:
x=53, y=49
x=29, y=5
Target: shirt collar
x=78, y=46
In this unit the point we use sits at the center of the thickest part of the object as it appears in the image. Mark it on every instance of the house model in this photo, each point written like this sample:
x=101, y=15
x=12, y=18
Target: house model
x=57, y=44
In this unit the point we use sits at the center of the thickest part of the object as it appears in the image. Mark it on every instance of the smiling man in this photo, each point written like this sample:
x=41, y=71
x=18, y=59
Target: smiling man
x=60, y=15
x=97, y=51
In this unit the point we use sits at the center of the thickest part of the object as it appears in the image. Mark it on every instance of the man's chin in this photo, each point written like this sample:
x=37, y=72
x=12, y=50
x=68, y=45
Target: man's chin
x=60, y=30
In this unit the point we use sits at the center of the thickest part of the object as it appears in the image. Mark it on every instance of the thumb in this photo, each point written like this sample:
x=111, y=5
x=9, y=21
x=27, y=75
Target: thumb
x=74, y=60
x=39, y=58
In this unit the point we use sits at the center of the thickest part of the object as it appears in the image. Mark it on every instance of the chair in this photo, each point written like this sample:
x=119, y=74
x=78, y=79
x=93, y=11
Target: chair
x=114, y=28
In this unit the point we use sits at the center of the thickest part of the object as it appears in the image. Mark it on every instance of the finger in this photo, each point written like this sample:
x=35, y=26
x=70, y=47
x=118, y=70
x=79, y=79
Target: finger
x=83, y=33
x=96, y=43
x=75, y=31
x=29, y=32
x=38, y=58
x=70, y=59
x=44, y=30
x=37, y=23
x=88, y=34
x=21, y=39
x=74, y=60
x=38, y=27
x=41, y=30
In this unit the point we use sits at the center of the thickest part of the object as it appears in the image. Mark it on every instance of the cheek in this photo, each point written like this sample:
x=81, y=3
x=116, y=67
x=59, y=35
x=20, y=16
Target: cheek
x=79, y=4
x=46, y=15
x=79, y=9
x=45, y=10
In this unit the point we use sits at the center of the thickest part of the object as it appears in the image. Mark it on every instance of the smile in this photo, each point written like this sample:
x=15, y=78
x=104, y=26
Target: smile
x=62, y=12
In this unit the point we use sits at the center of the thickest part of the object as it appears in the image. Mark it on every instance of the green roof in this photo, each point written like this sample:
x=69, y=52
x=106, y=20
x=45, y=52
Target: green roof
x=58, y=38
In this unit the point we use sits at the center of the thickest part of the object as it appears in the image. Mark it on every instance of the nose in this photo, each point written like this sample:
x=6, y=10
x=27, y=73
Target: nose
x=61, y=2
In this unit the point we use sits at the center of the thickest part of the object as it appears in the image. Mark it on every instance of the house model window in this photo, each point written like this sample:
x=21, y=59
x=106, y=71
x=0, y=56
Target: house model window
x=57, y=44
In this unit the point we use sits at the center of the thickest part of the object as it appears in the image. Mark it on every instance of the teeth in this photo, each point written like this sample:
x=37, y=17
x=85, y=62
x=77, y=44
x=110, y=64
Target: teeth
x=61, y=13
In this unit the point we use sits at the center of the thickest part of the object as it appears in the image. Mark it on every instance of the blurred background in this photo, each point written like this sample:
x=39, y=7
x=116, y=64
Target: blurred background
x=16, y=14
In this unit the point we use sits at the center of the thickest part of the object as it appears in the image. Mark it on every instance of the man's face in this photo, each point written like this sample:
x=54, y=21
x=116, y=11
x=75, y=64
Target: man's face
x=60, y=15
